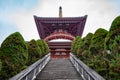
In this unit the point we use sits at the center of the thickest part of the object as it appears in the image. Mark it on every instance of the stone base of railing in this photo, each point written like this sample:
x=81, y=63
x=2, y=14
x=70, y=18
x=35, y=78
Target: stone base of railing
x=85, y=72
x=31, y=72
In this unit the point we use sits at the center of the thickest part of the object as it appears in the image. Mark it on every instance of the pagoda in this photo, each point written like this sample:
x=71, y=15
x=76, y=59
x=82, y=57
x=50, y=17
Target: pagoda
x=50, y=28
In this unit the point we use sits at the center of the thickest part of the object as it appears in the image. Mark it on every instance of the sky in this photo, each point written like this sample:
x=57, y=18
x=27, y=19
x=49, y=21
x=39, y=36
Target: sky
x=17, y=15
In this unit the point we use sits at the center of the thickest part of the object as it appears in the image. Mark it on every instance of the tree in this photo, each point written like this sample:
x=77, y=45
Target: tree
x=14, y=55
x=101, y=51
x=87, y=40
x=112, y=43
x=43, y=46
x=115, y=26
x=34, y=51
x=0, y=61
x=75, y=44
x=97, y=42
x=46, y=48
x=0, y=65
x=85, y=54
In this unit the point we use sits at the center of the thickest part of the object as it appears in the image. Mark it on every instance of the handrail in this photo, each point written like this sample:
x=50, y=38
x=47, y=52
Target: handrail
x=31, y=72
x=85, y=72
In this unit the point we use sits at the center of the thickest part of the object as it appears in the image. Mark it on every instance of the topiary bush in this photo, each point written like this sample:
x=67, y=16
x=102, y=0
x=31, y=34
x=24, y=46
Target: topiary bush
x=14, y=55
x=115, y=26
x=34, y=51
x=112, y=42
x=0, y=61
x=43, y=46
x=76, y=44
x=0, y=65
x=97, y=42
x=84, y=48
x=106, y=64
x=87, y=40
x=114, y=67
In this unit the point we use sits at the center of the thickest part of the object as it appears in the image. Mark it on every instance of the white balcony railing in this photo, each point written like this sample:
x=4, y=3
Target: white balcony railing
x=85, y=72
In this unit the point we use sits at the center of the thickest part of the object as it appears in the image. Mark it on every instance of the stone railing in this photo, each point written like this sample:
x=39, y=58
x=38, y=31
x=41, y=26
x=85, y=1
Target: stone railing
x=85, y=72
x=31, y=72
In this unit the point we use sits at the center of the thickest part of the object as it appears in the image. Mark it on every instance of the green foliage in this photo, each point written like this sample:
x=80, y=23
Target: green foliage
x=34, y=51
x=87, y=41
x=93, y=51
x=0, y=61
x=115, y=27
x=75, y=44
x=14, y=55
x=88, y=38
x=0, y=65
x=97, y=42
x=43, y=46
x=115, y=67
x=112, y=42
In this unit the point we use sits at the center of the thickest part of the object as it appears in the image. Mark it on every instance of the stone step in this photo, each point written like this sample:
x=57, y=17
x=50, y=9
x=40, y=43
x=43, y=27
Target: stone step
x=59, y=69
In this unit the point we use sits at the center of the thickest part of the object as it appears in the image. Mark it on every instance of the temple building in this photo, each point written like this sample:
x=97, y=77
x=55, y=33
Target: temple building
x=50, y=28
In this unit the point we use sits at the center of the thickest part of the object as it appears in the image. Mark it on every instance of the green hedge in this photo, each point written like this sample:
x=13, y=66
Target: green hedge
x=97, y=41
x=107, y=64
x=43, y=46
x=75, y=44
x=34, y=51
x=0, y=65
x=14, y=55
x=115, y=26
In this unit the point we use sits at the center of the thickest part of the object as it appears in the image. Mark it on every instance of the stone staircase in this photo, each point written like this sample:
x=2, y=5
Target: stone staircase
x=59, y=69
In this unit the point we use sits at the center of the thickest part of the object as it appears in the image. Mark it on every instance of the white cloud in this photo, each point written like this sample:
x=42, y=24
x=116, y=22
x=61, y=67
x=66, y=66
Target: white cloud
x=25, y=24
x=100, y=14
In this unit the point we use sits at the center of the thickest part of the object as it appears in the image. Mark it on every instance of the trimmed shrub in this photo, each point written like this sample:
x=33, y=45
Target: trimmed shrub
x=97, y=42
x=87, y=41
x=106, y=64
x=84, y=48
x=0, y=60
x=14, y=55
x=34, y=51
x=76, y=44
x=115, y=26
x=0, y=65
x=112, y=41
x=114, y=67
x=43, y=46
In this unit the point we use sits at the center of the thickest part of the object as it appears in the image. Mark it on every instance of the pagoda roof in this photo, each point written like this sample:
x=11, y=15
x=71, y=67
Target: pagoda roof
x=60, y=19
x=47, y=25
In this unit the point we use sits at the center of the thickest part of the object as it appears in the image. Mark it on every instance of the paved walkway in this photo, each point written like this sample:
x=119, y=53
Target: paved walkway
x=59, y=69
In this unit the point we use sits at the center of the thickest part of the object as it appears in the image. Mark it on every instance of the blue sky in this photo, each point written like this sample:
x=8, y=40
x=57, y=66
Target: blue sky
x=17, y=15
x=8, y=7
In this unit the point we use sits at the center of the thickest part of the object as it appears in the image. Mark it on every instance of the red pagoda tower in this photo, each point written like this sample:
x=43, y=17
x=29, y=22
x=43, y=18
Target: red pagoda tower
x=50, y=28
